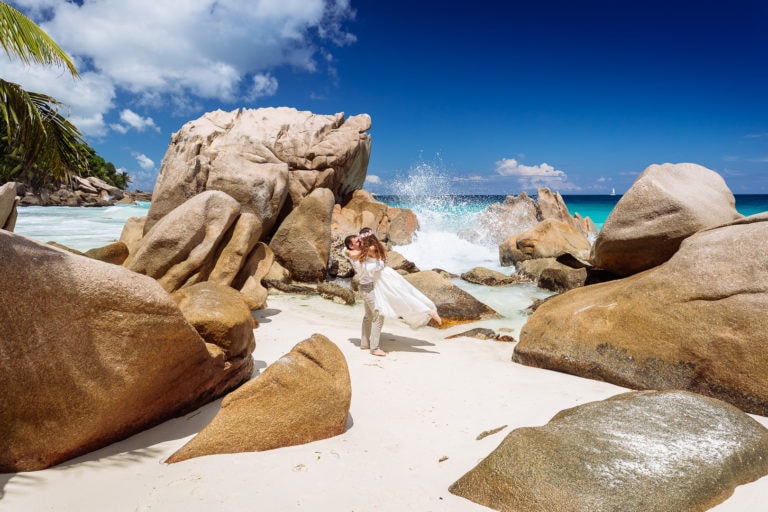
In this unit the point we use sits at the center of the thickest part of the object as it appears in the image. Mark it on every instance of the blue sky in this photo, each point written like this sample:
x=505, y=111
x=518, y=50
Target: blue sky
x=481, y=97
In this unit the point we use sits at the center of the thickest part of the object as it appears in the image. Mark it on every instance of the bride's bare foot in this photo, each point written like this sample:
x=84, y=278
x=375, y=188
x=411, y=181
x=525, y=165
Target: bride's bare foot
x=378, y=352
x=436, y=317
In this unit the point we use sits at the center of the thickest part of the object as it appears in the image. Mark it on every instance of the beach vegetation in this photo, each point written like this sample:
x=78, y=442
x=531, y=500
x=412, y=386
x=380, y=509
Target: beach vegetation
x=13, y=168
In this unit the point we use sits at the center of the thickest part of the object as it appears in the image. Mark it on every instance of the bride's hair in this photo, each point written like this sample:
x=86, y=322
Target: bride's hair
x=370, y=245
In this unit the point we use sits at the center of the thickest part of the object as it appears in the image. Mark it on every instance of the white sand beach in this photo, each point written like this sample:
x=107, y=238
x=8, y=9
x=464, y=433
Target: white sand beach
x=414, y=421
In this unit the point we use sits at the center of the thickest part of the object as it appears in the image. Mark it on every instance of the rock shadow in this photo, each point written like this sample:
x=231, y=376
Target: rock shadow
x=262, y=315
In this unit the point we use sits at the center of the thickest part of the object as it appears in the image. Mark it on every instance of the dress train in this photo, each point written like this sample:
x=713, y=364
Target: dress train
x=395, y=297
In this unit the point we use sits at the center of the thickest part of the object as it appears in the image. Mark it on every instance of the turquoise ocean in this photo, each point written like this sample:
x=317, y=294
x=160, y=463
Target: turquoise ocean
x=437, y=243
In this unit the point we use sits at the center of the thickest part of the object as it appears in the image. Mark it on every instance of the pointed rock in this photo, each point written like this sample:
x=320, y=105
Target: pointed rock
x=302, y=397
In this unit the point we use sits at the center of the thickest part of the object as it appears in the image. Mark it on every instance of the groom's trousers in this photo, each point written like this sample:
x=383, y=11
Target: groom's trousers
x=373, y=321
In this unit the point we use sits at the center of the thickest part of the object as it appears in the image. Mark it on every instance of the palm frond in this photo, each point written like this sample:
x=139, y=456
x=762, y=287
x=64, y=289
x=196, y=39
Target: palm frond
x=35, y=123
x=20, y=37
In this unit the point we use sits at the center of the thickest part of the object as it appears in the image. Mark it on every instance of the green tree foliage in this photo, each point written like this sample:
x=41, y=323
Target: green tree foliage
x=12, y=167
x=43, y=145
x=104, y=170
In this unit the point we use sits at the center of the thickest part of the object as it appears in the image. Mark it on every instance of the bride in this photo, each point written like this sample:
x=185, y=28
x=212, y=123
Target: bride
x=394, y=296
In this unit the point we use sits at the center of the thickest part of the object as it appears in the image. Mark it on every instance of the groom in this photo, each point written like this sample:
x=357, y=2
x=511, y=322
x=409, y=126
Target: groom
x=373, y=321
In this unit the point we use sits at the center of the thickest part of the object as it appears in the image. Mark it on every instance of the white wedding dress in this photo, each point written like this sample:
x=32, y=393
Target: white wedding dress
x=397, y=298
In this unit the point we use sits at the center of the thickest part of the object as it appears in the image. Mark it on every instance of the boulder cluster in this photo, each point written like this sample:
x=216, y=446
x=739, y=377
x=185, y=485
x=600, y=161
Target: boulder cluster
x=166, y=325
x=539, y=238
x=677, y=287
x=244, y=199
x=669, y=297
x=89, y=191
x=686, y=307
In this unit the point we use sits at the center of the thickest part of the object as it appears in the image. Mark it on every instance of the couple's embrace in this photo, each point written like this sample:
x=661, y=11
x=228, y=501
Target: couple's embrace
x=385, y=292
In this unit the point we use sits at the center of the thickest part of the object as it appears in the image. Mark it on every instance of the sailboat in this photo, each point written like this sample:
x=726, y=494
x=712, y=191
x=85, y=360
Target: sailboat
x=613, y=191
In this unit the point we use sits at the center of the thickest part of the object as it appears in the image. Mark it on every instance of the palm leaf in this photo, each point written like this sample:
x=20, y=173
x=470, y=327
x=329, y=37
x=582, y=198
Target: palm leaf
x=21, y=38
x=48, y=142
x=35, y=123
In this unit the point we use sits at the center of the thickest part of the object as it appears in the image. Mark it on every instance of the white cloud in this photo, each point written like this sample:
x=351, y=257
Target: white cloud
x=511, y=167
x=135, y=121
x=145, y=162
x=145, y=177
x=177, y=52
x=531, y=177
x=263, y=85
x=87, y=98
x=372, y=179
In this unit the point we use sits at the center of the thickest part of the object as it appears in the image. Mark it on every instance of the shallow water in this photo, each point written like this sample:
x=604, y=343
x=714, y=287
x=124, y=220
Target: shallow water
x=79, y=228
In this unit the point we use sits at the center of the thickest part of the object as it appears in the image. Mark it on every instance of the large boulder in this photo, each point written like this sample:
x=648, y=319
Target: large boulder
x=83, y=184
x=92, y=353
x=666, y=204
x=185, y=241
x=398, y=262
x=112, y=192
x=532, y=269
x=302, y=243
x=362, y=203
x=562, y=278
x=499, y=221
x=302, y=397
x=132, y=233
x=549, y=238
x=552, y=206
x=488, y=277
x=115, y=253
x=392, y=225
x=696, y=322
x=8, y=203
x=518, y=214
x=454, y=305
x=236, y=249
x=220, y=315
x=403, y=223
x=267, y=159
x=257, y=266
x=652, y=450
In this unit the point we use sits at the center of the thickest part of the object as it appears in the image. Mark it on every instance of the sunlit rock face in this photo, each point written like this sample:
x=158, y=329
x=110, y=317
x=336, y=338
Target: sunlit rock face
x=643, y=450
x=91, y=353
x=666, y=204
x=697, y=322
x=302, y=397
x=268, y=159
x=8, y=203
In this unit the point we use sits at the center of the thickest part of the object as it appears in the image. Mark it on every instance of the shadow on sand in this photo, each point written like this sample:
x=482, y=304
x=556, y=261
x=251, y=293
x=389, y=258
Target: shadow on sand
x=262, y=315
x=394, y=343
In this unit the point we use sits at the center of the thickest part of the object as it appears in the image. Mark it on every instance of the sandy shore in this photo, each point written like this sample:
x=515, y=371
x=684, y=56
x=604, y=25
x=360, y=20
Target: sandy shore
x=415, y=418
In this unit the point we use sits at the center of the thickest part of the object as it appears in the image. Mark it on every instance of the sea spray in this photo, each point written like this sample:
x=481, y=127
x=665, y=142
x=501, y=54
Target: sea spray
x=449, y=237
